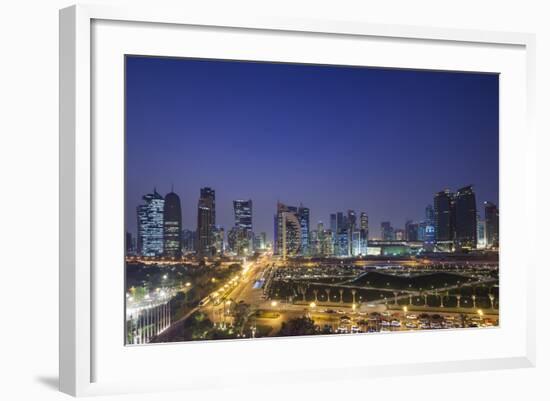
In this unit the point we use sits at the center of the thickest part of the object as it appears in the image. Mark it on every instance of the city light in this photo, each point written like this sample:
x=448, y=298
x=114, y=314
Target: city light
x=275, y=249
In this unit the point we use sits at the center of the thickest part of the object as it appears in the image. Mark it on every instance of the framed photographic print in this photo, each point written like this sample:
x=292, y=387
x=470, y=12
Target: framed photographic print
x=317, y=200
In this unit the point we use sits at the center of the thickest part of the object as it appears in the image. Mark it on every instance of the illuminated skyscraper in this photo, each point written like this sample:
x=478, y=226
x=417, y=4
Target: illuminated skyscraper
x=356, y=245
x=288, y=231
x=151, y=225
x=364, y=232
x=218, y=241
x=314, y=242
x=481, y=231
x=444, y=217
x=243, y=237
x=491, y=225
x=236, y=239
x=364, y=221
x=326, y=238
x=243, y=214
x=206, y=221
x=172, y=226
x=427, y=229
x=303, y=216
x=399, y=234
x=343, y=243
x=465, y=219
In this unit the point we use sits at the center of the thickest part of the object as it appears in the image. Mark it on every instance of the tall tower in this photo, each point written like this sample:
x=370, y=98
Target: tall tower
x=333, y=223
x=466, y=218
x=444, y=217
x=206, y=221
x=288, y=238
x=491, y=225
x=303, y=216
x=242, y=235
x=172, y=225
x=291, y=238
x=150, y=217
x=364, y=232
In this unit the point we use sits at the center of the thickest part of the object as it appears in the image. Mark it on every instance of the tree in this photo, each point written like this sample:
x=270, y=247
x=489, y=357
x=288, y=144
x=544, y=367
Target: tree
x=301, y=326
x=241, y=312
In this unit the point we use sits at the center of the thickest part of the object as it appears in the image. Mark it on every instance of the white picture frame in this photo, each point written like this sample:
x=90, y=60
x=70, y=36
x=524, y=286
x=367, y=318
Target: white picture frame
x=80, y=180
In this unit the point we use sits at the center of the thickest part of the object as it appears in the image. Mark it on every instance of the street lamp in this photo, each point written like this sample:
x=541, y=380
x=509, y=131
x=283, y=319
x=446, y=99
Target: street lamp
x=312, y=305
x=273, y=303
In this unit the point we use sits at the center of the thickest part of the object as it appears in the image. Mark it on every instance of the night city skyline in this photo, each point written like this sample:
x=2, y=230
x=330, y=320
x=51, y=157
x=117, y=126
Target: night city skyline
x=231, y=165
x=333, y=138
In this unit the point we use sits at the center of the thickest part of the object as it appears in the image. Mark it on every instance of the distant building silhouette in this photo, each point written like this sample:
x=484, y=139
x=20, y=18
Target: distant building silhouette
x=386, y=231
x=465, y=219
x=444, y=217
x=411, y=231
x=188, y=238
x=491, y=225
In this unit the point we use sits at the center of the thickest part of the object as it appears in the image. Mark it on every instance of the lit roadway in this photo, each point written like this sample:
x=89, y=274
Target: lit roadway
x=241, y=288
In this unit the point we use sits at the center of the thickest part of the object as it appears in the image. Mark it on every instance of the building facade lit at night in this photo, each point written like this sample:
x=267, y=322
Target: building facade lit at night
x=150, y=225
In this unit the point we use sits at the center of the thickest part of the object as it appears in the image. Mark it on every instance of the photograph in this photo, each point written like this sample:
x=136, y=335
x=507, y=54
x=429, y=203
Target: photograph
x=275, y=199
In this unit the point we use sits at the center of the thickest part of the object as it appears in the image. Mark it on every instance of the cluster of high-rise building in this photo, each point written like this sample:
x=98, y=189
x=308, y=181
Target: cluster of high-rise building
x=415, y=231
x=159, y=225
x=160, y=232
x=457, y=222
x=347, y=235
x=452, y=223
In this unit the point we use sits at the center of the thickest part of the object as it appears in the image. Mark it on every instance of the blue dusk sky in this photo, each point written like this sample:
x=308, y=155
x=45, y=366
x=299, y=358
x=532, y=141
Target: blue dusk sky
x=334, y=138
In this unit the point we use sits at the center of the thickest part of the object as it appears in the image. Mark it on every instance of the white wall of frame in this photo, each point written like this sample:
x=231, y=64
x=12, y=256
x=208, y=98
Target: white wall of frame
x=28, y=162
